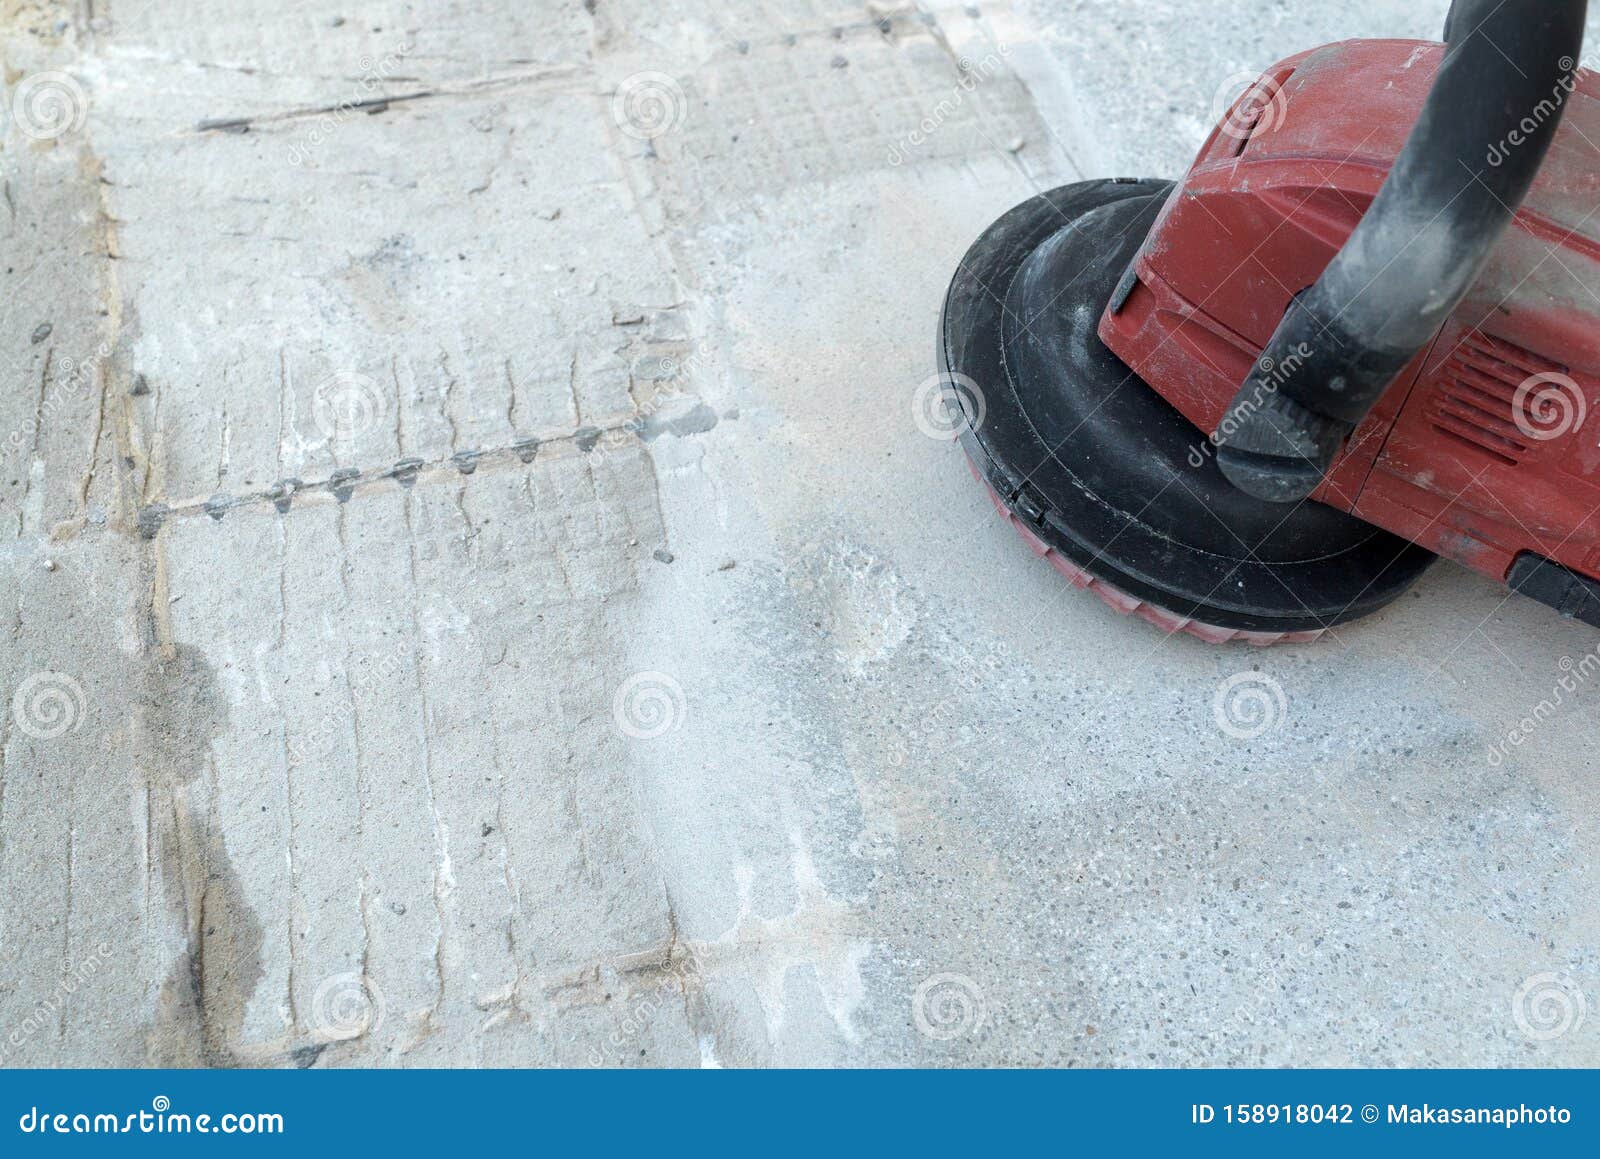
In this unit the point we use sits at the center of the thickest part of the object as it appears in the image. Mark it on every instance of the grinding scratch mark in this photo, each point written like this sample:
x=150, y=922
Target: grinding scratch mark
x=570, y=800
x=288, y=775
x=147, y=923
x=161, y=606
x=33, y=505
x=513, y=889
x=442, y=878
x=469, y=539
x=286, y=413
x=557, y=557
x=365, y=905
x=572, y=388
x=703, y=1028
x=447, y=409
x=616, y=431
x=153, y=481
x=66, y=920
x=6, y=721
x=94, y=447
x=513, y=893
x=552, y=78
x=110, y=246
x=362, y=789
x=225, y=441
x=38, y=431
x=511, y=400
x=399, y=407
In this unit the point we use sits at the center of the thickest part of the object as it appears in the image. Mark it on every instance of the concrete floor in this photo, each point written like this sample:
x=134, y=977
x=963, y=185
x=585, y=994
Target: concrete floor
x=477, y=593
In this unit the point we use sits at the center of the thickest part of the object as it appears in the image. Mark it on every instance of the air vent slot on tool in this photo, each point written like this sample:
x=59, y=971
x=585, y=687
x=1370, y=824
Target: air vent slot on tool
x=1475, y=396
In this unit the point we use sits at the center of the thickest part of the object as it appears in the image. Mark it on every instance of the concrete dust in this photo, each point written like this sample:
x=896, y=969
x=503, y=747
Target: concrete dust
x=476, y=593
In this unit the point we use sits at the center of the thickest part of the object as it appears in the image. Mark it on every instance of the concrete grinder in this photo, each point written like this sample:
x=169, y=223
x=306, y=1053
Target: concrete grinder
x=1360, y=334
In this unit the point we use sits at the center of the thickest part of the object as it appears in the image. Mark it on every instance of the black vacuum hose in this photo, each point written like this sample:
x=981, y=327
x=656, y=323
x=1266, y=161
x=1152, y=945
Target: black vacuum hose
x=1474, y=151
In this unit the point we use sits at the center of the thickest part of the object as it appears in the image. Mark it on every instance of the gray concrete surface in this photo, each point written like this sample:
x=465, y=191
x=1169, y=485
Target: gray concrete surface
x=624, y=678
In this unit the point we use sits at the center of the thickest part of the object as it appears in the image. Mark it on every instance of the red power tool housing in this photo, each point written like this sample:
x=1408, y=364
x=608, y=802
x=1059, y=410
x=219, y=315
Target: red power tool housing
x=1487, y=446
